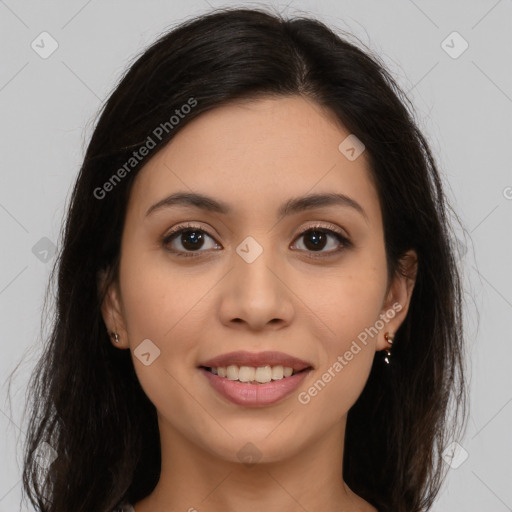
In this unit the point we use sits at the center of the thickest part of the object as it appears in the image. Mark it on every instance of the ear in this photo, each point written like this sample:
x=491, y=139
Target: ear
x=111, y=309
x=398, y=298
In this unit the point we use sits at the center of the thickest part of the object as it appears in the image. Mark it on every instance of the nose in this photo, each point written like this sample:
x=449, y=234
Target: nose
x=255, y=295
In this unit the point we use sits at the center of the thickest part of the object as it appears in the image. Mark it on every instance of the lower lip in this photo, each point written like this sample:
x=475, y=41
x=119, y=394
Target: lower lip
x=255, y=395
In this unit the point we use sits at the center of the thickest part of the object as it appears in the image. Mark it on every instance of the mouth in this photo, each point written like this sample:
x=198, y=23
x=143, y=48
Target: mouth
x=255, y=379
x=253, y=393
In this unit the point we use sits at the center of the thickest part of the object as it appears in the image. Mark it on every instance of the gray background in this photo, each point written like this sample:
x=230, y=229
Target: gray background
x=464, y=107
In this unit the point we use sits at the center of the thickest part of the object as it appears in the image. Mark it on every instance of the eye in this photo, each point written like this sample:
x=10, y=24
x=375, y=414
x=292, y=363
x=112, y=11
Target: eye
x=317, y=238
x=192, y=239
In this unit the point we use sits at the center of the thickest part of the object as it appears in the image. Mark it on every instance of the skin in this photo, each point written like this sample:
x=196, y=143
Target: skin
x=195, y=308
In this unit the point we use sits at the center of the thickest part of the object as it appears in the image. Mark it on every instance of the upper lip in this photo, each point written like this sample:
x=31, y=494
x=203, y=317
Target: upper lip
x=267, y=358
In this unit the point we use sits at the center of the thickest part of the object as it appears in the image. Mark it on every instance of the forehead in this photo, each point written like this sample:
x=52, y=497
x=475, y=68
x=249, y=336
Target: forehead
x=252, y=154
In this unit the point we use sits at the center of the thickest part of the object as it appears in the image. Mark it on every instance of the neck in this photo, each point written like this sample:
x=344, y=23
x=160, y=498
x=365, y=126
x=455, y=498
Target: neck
x=192, y=478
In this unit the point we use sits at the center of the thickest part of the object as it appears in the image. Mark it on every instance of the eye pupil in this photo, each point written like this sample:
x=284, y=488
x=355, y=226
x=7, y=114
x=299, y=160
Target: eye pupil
x=192, y=239
x=317, y=237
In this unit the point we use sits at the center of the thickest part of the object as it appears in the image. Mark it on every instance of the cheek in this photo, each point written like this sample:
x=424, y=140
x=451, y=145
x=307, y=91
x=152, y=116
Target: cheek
x=165, y=304
x=159, y=298
x=162, y=307
x=346, y=309
x=347, y=356
x=347, y=300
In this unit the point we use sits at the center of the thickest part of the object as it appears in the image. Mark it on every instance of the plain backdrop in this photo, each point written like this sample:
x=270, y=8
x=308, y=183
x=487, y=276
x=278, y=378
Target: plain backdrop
x=460, y=84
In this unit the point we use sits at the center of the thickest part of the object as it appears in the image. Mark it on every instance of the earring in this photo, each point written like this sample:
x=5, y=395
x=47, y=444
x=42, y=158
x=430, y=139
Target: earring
x=389, y=339
x=115, y=336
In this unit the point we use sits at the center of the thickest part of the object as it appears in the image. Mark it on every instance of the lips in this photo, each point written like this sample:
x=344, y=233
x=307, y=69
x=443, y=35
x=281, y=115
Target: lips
x=267, y=358
x=255, y=395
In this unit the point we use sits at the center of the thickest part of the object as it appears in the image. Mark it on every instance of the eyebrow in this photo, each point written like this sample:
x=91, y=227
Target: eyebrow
x=290, y=207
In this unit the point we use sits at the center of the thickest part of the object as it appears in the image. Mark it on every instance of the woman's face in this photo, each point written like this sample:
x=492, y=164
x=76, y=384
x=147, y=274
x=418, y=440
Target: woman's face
x=255, y=278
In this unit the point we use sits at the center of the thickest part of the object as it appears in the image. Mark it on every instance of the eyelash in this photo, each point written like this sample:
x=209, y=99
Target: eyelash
x=344, y=241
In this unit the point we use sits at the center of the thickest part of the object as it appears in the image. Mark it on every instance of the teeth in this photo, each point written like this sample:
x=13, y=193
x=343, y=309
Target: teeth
x=261, y=374
x=277, y=372
x=287, y=371
x=245, y=374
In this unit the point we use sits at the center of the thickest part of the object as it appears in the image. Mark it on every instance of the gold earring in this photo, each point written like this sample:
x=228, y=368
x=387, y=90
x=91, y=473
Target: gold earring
x=115, y=336
x=389, y=339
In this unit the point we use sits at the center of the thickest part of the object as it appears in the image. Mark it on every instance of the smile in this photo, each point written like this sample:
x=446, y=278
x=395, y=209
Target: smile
x=254, y=387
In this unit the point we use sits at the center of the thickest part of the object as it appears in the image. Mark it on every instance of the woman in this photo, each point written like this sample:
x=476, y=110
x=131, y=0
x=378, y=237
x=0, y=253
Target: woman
x=258, y=303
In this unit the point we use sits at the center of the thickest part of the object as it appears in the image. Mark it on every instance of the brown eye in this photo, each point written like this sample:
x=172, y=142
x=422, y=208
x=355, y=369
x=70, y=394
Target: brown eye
x=190, y=238
x=316, y=239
